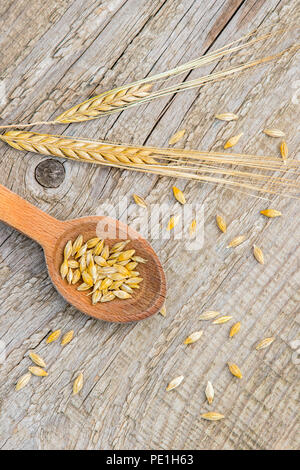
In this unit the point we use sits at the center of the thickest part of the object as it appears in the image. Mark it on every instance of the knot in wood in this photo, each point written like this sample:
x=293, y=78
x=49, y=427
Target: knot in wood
x=50, y=173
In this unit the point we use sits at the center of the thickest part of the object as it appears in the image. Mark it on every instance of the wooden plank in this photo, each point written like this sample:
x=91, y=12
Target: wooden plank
x=69, y=53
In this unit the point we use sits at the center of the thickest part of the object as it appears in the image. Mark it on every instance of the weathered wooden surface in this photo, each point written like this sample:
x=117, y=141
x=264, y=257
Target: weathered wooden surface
x=56, y=53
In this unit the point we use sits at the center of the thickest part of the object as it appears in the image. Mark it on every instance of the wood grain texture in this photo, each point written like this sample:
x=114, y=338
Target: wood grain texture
x=70, y=52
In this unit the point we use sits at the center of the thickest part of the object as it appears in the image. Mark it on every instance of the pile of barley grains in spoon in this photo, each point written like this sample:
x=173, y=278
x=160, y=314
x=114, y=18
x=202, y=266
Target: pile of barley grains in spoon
x=109, y=273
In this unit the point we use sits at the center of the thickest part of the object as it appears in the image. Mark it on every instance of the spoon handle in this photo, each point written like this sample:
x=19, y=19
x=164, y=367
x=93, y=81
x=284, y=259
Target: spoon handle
x=28, y=219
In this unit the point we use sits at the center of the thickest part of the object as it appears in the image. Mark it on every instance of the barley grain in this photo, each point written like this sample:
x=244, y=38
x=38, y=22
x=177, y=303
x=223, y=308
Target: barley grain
x=258, y=254
x=284, y=150
x=121, y=294
x=271, y=213
x=78, y=384
x=209, y=392
x=227, y=117
x=64, y=268
x=176, y=137
x=174, y=383
x=163, y=310
x=37, y=359
x=271, y=132
x=107, y=297
x=237, y=241
x=92, y=242
x=37, y=371
x=232, y=141
x=23, y=381
x=235, y=329
x=264, y=343
x=139, y=201
x=234, y=369
x=68, y=250
x=212, y=416
x=209, y=315
x=77, y=244
x=221, y=223
x=72, y=263
x=192, y=228
x=53, y=336
x=178, y=194
x=193, y=337
x=70, y=276
x=76, y=276
x=221, y=320
x=172, y=222
x=67, y=337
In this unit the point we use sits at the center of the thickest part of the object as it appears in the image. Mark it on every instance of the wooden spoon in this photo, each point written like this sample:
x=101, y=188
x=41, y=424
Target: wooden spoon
x=52, y=235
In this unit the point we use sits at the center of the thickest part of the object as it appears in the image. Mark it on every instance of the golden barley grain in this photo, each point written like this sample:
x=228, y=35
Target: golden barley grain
x=83, y=287
x=72, y=263
x=209, y=392
x=98, y=248
x=234, y=369
x=258, y=254
x=92, y=242
x=100, y=261
x=227, y=117
x=64, y=268
x=264, y=343
x=193, y=337
x=122, y=270
x=163, y=310
x=130, y=266
x=221, y=223
x=139, y=259
x=67, y=337
x=192, y=228
x=87, y=278
x=274, y=132
x=96, y=296
x=232, y=141
x=178, y=194
x=125, y=255
x=121, y=294
x=133, y=280
x=176, y=137
x=37, y=359
x=53, y=336
x=81, y=251
x=105, y=252
x=23, y=381
x=106, y=283
x=135, y=286
x=78, y=384
x=271, y=213
x=126, y=288
x=212, y=416
x=119, y=246
x=76, y=276
x=139, y=201
x=69, y=276
x=174, y=383
x=209, y=315
x=237, y=241
x=235, y=329
x=77, y=244
x=37, y=371
x=173, y=221
x=82, y=264
x=107, y=297
x=284, y=151
x=221, y=320
x=68, y=250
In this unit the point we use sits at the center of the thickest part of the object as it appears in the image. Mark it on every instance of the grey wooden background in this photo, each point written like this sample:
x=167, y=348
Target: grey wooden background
x=57, y=53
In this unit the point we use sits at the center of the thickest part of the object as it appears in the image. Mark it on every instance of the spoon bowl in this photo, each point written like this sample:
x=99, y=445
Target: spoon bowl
x=53, y=235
